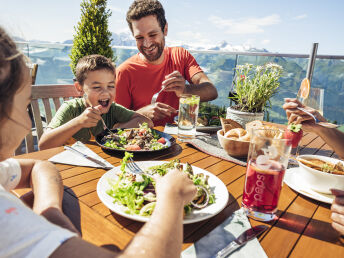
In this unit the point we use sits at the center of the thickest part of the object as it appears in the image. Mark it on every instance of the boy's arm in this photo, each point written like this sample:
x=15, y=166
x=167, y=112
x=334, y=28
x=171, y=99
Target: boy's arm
x=58, y=136
x=135, y=121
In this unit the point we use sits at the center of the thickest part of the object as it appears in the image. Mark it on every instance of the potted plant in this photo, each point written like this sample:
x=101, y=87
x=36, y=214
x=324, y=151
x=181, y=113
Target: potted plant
x=254, y=85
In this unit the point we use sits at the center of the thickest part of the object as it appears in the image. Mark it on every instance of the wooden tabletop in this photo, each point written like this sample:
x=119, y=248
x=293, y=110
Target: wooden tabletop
x=303, y=227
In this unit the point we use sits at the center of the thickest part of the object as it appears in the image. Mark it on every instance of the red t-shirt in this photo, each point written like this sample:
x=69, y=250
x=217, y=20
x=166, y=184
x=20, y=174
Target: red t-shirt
x=137, y=80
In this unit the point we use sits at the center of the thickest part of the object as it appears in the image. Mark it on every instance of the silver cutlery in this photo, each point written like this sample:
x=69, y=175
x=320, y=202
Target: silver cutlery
x=155, y=96
x=316, y=120
x=104, y=125
x=98, y=162
x=242, y=240
x=135, y=169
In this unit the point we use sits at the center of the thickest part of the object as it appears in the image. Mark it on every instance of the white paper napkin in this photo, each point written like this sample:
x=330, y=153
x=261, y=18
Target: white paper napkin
x=71, y=158
x=221, y=236
x=173, y=129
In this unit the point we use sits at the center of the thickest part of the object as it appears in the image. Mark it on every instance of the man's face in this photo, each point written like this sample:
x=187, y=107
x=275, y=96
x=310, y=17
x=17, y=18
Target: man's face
x=150, y=40
x=99, y=89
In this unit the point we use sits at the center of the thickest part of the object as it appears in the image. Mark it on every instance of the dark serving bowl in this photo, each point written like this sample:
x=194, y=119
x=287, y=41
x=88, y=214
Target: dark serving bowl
x=99, y=140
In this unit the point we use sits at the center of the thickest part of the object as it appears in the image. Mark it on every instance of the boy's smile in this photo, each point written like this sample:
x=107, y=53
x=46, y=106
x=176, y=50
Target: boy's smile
x=99, y=87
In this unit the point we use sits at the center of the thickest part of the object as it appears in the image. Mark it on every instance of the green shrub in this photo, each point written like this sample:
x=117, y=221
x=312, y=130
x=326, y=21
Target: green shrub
x=92, y=34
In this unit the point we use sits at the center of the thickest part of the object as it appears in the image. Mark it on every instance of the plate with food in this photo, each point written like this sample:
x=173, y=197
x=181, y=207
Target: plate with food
x=294, y=179
x=322, y=173
x=139, y=191
x=142, y=139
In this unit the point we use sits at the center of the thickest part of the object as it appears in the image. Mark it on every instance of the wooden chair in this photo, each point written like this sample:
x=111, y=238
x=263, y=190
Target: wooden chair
x=33, y=70
x=44, y=97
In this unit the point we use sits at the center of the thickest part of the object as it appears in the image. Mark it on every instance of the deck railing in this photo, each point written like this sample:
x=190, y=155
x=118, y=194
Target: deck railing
x=53, y=60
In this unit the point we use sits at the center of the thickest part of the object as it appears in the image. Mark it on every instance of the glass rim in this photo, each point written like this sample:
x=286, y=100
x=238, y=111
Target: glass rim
x=187, y=95
x=266, y=137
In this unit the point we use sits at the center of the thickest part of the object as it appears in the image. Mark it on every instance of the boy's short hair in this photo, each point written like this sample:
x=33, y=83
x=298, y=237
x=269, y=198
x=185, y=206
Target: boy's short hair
x=92, y=63
x=143, y=8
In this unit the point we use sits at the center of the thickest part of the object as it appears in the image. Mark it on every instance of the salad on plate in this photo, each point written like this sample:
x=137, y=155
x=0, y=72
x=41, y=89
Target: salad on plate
x=135, y=139
x=136, y=193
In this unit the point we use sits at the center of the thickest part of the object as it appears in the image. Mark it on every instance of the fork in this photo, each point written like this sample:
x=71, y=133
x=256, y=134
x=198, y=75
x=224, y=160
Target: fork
x=316, y=120
x=107, y=128
x=155, y=96
x=104, y=125
x=135, y=169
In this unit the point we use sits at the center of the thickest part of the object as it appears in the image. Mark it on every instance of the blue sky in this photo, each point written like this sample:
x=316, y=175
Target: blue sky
x=279, y=26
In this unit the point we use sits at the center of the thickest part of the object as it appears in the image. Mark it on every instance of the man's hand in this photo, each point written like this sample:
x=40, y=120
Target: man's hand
x=157, y=111
x=90, y=117
x=174, y=82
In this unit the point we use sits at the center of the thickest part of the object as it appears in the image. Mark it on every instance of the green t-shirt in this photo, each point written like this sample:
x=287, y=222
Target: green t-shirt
x=73, y=108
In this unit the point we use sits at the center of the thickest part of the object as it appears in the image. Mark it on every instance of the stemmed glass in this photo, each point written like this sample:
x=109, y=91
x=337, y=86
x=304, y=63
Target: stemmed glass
x=314, y=100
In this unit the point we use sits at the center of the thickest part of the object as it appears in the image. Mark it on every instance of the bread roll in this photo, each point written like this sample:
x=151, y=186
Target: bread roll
x=239, y=134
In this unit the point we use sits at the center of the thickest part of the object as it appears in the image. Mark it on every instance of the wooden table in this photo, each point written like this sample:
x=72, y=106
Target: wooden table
x=303, y=227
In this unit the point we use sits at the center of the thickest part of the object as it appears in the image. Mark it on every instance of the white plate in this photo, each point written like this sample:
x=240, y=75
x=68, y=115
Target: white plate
x=216, y=185
x=293, y=179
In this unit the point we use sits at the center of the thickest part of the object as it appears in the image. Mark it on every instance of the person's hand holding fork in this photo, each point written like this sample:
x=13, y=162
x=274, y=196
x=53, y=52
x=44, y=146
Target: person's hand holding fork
x=297, y=116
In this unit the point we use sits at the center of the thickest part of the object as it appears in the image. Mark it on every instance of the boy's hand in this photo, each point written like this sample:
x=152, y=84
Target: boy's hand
x=175, y=186
x=90, y=117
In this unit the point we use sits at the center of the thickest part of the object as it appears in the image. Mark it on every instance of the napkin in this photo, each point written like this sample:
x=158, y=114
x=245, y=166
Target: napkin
x=173, y=129
x=71, y=158
x=210, y=144
x=221, y=236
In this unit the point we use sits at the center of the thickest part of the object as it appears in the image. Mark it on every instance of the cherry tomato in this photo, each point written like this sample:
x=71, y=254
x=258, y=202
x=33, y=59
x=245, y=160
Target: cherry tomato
x=162, y=140
x=133, y=147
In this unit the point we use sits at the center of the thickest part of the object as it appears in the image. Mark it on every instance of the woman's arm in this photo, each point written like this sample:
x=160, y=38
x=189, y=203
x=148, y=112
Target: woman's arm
x=333, y=137
x=161, y=236
x=47, y=187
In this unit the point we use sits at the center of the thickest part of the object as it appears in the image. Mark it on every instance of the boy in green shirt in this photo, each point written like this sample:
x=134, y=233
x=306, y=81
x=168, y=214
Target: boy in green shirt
x=80, y=118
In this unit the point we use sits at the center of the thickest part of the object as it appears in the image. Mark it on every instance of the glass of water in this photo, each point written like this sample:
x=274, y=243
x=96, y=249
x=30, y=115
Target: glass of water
x=187, y=117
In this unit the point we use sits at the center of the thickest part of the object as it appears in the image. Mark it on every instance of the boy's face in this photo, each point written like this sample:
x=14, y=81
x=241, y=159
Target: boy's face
x=99, y=87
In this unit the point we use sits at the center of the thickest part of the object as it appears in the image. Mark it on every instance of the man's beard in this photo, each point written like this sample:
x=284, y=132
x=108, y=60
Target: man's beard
x=160, y=48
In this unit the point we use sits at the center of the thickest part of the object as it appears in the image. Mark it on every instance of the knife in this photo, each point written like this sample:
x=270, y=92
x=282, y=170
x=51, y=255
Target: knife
x=98, y=162
x=242, y=240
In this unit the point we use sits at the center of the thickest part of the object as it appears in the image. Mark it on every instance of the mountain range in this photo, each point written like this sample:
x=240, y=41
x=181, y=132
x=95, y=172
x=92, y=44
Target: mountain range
x=126, y=39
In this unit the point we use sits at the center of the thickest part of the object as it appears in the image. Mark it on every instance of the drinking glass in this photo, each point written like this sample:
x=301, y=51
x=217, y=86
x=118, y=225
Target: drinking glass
x=266, y=164
x=187, y=117
x=315, y=100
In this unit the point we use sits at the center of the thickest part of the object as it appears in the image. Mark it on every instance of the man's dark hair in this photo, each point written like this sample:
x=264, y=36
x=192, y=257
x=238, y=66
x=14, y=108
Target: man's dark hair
x=143, y=8
x=92, y=63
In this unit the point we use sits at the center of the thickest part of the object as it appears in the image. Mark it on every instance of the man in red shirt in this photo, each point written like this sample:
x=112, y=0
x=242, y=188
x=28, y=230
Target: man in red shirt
x=157, y=66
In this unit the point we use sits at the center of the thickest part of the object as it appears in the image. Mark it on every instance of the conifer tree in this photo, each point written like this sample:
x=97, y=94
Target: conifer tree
x=92, y=34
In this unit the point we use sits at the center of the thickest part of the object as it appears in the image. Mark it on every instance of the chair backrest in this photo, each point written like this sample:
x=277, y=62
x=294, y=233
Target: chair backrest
x=34, y=70
x=44, y=98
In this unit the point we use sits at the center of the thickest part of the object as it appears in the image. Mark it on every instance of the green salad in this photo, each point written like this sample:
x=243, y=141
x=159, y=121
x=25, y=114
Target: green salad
x=135, y=139
x=137, y=192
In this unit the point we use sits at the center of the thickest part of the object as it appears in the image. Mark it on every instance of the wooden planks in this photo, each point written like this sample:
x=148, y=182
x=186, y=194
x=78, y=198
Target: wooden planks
x=302, y=228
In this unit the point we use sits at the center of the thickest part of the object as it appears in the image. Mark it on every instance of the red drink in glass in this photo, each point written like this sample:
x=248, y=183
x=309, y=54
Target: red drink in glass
x=262, y=188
